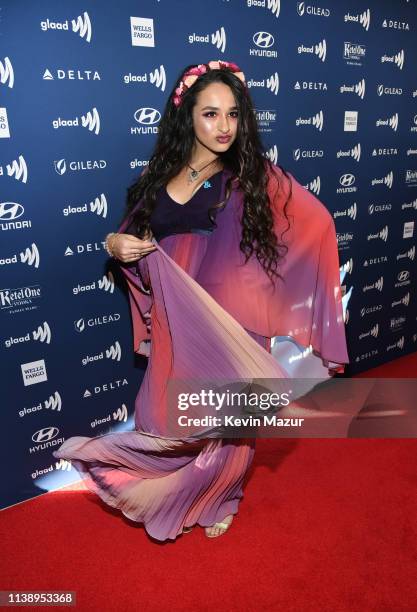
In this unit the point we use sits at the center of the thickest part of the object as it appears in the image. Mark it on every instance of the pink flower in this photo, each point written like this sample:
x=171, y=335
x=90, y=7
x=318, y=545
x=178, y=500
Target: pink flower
x=190, y=80
x=214, y=65
x=176, y=100
x=240, y=75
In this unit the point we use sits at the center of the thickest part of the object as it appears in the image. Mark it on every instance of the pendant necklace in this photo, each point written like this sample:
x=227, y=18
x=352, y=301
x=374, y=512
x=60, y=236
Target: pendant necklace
x=194, y=174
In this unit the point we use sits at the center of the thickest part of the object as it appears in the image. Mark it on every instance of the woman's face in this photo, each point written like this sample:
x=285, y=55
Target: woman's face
x=215, y=117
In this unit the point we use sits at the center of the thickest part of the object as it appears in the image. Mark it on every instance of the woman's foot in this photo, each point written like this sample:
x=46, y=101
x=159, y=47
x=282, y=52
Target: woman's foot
x=219, y=528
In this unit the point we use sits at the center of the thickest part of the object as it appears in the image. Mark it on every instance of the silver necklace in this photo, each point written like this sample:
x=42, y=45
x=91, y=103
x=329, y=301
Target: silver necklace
x=194, y=174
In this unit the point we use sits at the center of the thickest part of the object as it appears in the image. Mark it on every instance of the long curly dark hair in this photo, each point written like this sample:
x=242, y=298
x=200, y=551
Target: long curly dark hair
x=245, y=158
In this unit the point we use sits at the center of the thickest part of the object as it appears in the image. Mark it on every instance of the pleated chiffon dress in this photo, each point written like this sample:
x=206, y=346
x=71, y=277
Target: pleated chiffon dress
x=169, y=482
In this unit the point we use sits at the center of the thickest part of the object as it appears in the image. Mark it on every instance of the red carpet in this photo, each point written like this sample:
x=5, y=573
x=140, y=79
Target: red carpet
x=324, y=525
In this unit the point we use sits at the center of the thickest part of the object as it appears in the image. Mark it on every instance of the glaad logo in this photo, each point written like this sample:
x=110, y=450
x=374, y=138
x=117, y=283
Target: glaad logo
x=80, y=324
x=354, y=153
x=303, y=9
x=316, y=121
x=373, y=208
x=320, y=49
x=314, y=186
x=72, y=75
x=395, y=25
x=409, y=254
x=397, y=59
x=61, y=167
x=364, y=19
x=397, y=345
x=142, y=32
x=4, y=124
x=106, y=283
x=273, y=5
x=34, y=372
x=9, y=212
x=410, y=151
x=358, y=88
x=119, y=415
x=114, y=352
x=138, y=163
x=272, y=154
x=404, y=301
x=43, y=334
x=378, y=285
x=382, y=234
x=387, y=180
x=350, y=212
x=218, y=39
x=391, y=122
x=98, y=206
x=30, y=256
x=54, y=402
x=157, y=78
x=353, y=52
x=91, y=121
x=263, y=40
x=412, y=204
x=374, y=331
x=6, y=73
x=80, y=25
x=272, y=83
x=17, y=168
x=307, y=154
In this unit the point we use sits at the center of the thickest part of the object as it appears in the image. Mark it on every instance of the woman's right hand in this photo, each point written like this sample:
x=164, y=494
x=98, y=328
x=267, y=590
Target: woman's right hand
x=128, y=248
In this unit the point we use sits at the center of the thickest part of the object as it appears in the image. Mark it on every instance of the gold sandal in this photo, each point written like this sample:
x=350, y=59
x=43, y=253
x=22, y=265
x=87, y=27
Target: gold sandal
x=221, y=525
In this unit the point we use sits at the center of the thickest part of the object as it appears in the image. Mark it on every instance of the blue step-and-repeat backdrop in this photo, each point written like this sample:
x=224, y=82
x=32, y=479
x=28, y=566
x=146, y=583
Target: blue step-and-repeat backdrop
x=82, y=88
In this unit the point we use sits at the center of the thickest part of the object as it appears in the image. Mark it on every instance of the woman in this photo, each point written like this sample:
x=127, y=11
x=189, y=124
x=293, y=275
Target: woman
x=231, y=267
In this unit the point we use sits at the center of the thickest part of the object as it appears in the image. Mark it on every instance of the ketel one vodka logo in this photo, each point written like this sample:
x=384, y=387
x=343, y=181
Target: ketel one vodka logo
x=319, y=49
x=6, y=73
x=9, y=215
x=90, y=120
x=316, y=121
x=29, y=256
x=106, y=283
x=391, y=122
x=397, y=59
x=41, y=334
x=356, y=88
x=81, y=25
x=98, y=206
x=17, y=169
x=217, y=38
x=157, y=78
x=364, y=19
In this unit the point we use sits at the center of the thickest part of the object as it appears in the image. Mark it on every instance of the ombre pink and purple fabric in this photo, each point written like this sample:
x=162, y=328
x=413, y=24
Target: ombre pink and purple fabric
x=198, y=312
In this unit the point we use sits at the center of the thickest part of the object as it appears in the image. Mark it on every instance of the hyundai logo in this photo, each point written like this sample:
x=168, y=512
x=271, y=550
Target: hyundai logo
x=10, y=210
x=263, y=39
x=147, y=116
x=347, y=180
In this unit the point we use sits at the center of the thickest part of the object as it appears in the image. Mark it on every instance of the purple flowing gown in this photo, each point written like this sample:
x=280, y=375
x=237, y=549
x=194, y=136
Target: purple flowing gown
x=168, y=482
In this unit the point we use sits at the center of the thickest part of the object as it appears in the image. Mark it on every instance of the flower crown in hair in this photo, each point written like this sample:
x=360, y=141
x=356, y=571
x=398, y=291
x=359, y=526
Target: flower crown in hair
x=190, y=76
